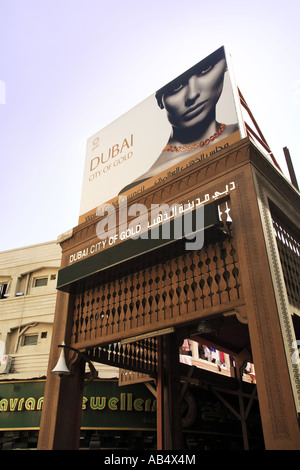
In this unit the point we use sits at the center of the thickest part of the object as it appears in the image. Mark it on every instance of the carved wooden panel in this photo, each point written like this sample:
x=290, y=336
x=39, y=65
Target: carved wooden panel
x=168, y=289
x=288, y=243
x=140, y=356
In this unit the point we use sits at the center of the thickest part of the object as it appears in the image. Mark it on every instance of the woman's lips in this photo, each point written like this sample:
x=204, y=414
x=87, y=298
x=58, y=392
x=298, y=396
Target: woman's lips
x=194, y=111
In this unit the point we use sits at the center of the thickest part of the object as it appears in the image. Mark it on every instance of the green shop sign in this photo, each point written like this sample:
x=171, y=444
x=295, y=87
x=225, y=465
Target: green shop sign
x=105, y=405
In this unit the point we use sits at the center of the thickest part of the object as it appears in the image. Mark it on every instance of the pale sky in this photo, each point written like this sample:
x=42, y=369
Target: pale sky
x=68, y=68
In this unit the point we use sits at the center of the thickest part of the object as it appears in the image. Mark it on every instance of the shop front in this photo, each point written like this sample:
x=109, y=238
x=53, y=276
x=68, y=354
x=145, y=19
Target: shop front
x=124, y=417
x=112, y=416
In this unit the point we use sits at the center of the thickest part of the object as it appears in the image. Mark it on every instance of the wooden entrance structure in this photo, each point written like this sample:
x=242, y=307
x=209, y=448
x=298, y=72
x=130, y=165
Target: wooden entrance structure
x=132, y=305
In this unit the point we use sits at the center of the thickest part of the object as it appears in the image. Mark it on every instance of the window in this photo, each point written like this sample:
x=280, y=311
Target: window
x=3, y=290
x=30, y=340
x=40, y=282
x=44, y=334
x=52, y=277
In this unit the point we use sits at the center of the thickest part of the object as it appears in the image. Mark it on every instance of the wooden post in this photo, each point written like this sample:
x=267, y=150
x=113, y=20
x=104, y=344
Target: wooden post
x=277, y=406
x=169, y=434
x=61, y=415
x=159, y=419
x=243, y=417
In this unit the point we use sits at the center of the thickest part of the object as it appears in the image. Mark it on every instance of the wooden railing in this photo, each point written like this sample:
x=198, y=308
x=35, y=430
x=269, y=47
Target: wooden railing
x=140, y=356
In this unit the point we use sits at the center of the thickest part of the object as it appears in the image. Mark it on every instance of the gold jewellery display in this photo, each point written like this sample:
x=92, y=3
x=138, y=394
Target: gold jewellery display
x=183, y=148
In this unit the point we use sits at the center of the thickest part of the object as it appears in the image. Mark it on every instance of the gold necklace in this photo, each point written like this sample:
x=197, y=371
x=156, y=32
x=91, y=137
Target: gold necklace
x=183, y=148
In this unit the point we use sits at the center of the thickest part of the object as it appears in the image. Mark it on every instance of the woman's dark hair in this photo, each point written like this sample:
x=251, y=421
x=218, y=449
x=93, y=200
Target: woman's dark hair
x=209, y=61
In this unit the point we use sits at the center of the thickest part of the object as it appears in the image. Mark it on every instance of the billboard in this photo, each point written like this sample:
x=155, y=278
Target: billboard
x=188, y=120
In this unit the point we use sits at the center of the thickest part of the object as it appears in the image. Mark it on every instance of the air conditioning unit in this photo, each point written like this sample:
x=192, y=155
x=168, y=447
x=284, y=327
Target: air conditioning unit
x=5, y=364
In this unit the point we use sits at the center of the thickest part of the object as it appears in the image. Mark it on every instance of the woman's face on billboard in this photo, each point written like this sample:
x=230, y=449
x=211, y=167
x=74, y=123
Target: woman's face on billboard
x=191, y=102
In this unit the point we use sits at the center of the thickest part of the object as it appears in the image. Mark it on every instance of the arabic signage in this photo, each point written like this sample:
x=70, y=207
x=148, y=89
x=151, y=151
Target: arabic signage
x=164, y=229
x=143, y=234
x=187, y=121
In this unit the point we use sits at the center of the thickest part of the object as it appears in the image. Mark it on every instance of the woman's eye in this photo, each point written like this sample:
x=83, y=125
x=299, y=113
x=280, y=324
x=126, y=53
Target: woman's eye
x=177, y=88
x=205, y=70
